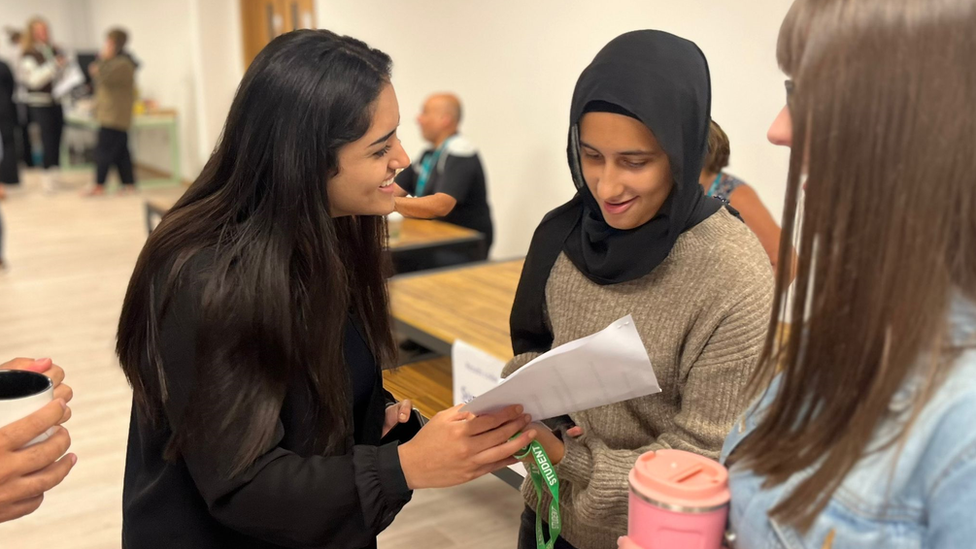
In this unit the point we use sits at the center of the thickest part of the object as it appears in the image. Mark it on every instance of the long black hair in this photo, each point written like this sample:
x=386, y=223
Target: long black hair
x=281, y=276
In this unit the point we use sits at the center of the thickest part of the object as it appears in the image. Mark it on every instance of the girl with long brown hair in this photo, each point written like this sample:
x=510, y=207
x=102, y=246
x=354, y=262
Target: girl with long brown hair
x=865, y=436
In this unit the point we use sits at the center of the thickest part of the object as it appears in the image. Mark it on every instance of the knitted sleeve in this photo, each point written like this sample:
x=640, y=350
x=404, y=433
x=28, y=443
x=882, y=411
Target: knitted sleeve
x=712, y=397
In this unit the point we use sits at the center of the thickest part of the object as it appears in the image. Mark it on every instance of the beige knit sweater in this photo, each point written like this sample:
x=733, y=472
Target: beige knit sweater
x=703, y=315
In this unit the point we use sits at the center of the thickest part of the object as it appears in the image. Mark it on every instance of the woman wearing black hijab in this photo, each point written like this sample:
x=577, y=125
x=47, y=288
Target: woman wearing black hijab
x=641, y=238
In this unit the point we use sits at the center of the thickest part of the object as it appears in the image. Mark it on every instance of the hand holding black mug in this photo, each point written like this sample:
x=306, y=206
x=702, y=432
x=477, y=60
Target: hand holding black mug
x=29, y=462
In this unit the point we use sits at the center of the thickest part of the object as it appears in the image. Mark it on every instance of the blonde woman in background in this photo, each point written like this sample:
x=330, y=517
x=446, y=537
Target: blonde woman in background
x=41, y=64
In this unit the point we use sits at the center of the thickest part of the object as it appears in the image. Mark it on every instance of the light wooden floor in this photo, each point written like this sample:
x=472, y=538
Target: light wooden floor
x=70, y=259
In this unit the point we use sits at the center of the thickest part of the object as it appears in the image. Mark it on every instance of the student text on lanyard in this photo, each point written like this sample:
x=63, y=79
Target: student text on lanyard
x=427, y=167
x=543, y=475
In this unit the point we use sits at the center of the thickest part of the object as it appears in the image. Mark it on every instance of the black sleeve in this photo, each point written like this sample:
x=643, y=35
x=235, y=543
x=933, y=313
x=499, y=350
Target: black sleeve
x=6, y=88
x=460, y=174
x=407, y=179
x=6, y=77
x=283, y=498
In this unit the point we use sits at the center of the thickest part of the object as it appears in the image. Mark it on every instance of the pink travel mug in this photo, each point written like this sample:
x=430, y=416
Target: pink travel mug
x=678, y=500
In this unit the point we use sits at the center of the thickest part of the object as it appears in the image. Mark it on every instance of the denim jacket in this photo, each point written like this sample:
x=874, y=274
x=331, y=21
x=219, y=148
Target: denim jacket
x=922, y=495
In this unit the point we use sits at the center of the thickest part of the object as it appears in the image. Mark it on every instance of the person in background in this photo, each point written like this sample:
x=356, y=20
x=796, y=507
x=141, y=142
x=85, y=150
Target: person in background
x=3, y=196
x=41, y=65
x=736, y=192
x=114, y=78
x=641, y=238
x=257, y=322
x=864, y=438
x=23, y=119
x=9, y=169
x=447, y=181
x=27, y=474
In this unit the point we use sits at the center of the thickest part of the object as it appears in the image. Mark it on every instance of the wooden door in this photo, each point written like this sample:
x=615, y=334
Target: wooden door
x=263, y=20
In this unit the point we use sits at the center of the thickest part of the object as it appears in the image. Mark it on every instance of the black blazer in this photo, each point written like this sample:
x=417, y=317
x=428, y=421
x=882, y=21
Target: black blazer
x=289, y=497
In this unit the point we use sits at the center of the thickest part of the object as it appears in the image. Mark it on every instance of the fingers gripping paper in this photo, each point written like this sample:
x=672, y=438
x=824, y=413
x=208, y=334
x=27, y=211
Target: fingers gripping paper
x=607, y=367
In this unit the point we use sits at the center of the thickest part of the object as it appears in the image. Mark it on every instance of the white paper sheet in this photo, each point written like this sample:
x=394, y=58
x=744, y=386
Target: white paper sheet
x=474, y=371
x=607, y=367
x=71, y=78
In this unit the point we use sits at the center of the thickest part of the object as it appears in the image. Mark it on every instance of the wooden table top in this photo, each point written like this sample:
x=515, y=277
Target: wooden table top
x=421, y=233
x=415, y=234
x=469, y=303
x=428, y=384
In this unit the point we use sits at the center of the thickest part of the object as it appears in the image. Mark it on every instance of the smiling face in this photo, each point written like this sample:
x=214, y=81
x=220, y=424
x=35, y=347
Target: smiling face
x=625, y=168
x=364, y=183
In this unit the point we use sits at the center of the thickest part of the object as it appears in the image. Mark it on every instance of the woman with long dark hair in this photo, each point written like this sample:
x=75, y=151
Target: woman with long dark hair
x=865, y=437
x=256, y=324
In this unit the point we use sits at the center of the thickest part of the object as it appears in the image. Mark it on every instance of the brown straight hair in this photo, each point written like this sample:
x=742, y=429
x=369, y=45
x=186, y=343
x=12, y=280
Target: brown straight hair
x=718, y=149
x=118, y=37
x=884, y=128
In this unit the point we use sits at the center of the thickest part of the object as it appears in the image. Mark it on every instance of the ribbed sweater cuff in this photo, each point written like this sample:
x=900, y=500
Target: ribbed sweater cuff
x=576, y=465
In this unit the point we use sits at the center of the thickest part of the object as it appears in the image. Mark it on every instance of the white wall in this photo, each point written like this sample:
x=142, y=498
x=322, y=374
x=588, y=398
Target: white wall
x=514, y=63
x=218, y=66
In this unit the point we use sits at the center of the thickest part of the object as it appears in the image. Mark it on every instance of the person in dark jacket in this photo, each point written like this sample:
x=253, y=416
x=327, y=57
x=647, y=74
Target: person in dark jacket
x=8, y=150
x=9, y=173
x=256, y=325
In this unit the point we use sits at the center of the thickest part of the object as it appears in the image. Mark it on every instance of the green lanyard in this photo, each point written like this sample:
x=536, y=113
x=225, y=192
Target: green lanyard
x=542, y=472
x=427, y=167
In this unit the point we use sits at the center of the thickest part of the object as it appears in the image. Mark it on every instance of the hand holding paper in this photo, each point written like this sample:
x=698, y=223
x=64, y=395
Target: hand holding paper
x=607, y=367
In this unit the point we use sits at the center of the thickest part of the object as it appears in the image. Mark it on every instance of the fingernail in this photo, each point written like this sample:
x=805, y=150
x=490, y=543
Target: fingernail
x=403, y=415
x=64, y=405
x=74, y=459
x=519, y=409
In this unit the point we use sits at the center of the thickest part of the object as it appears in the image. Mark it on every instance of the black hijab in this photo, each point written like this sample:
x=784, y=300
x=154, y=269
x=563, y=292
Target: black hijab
x=663, y=81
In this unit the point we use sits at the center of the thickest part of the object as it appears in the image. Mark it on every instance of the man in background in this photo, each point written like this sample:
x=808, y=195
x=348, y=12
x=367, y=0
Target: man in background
x=447, y=180
x=114, y=78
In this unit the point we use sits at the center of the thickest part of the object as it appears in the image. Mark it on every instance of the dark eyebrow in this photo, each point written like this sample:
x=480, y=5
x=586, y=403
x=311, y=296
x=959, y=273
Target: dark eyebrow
x=625, y=153
x=382, y=139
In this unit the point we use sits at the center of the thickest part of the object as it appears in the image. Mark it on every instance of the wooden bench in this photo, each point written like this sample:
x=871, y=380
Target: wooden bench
x=427, y=384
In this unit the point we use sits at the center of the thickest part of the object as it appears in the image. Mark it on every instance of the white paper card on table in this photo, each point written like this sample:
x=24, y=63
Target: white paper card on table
x=473, y=371
x=604, y=368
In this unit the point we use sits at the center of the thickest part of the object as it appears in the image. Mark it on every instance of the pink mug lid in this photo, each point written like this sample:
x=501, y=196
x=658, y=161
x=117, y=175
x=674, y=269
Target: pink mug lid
x=681, y=481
